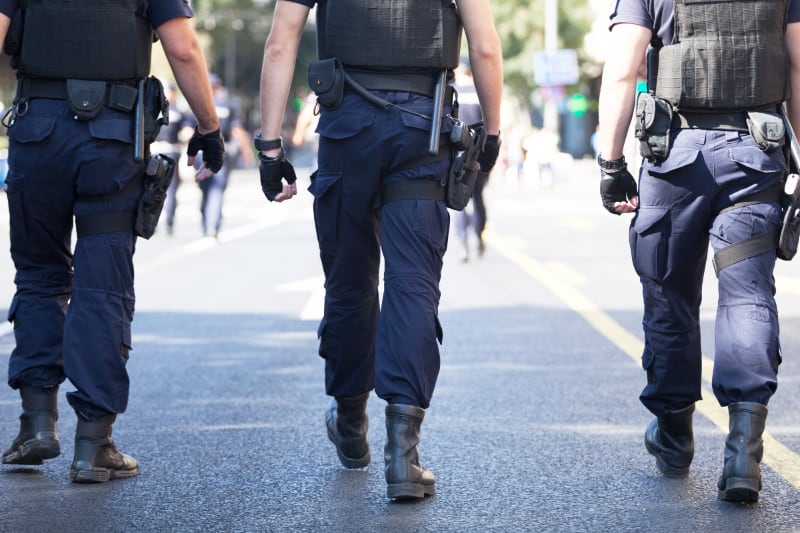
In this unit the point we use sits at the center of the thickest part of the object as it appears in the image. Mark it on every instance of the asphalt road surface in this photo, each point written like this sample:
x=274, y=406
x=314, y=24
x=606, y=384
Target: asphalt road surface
x=535, y=424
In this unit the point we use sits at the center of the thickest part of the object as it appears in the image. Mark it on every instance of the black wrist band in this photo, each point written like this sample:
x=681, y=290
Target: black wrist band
x=263, y=157
x=271, y=144
x=613, y=164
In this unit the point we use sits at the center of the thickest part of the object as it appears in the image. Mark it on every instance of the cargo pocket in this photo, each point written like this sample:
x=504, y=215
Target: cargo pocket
x=327, y=191
x=753, y=158
x=678, y=158
x=345, y=122
x=113, y=136
x=649, y=242
x=126, y=346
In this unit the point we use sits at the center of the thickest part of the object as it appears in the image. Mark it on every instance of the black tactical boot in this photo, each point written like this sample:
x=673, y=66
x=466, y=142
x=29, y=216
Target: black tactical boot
x=37, y=439
x=96, y=458
x=671, y=440
x=347, y=423
x=741, y=474
x=404, y=475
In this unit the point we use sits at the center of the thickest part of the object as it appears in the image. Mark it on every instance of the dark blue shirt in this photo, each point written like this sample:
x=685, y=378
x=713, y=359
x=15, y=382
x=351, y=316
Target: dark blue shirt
x=656, y=15
x=158, y=12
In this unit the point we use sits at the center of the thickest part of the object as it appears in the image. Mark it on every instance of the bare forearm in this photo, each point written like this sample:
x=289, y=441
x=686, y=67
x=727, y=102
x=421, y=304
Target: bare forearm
x=188, y=64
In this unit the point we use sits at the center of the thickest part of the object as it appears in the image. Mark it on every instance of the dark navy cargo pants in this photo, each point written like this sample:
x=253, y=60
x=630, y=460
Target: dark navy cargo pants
x=679, y=204
x=72, y=311
x=390, y=345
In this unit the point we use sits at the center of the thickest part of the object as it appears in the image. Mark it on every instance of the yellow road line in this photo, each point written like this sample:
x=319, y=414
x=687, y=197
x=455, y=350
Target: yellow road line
x=777, y=456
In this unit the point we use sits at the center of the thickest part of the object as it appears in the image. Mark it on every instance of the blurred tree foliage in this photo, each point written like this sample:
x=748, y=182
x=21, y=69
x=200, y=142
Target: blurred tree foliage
x=237, y=30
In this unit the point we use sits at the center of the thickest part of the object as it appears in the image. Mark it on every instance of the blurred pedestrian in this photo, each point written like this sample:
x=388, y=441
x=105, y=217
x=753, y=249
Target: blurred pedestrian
x=73, y=155
x=377, y=189
x=472, y=219
x=168, y=142
x=238, y=147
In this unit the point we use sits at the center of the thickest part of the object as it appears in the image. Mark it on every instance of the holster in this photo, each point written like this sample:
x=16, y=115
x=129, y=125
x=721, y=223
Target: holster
x=653, y=125
x=158, y=176
x=767, y=129
x=789, y=234
x=86, y=98
x=326, y=79
x=464, y=168
x=156, y=108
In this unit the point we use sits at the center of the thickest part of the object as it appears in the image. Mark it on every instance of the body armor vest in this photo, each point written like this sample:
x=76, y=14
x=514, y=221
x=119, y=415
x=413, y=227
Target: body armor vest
x=726, y=55
x=390, y=34
x=81, y=39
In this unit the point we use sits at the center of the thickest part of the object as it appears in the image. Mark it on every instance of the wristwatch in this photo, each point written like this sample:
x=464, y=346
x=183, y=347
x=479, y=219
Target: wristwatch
x=613, y=164
x=263, y=145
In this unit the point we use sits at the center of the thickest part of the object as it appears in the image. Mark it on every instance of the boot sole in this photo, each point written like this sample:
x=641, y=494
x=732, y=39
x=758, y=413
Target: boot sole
x=740, y=490
x=100, y=475
x=408, y=491
x=348, y=462
x=33, y=452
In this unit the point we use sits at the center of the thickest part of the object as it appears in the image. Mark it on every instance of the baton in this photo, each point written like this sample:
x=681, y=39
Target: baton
x=436, y=119
x=138, y=132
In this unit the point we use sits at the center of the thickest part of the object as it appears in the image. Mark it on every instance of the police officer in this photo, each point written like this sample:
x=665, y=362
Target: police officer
x=377, y=189
x=72, y=156
x=711, y=132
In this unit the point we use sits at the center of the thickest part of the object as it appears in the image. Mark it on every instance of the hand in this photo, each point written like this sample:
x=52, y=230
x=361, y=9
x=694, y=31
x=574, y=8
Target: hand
x=618, y=191
x=273, y=171
x=488, y=156
x=213, y=148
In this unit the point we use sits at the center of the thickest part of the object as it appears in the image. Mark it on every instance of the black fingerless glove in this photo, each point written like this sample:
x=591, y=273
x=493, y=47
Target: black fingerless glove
x=273, y=171
x=615, y=187
x=212, y=146
x=489, y=154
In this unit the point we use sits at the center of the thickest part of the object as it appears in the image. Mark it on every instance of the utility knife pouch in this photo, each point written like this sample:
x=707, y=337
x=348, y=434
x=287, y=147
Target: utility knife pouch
x=653, y=125
x=86, y=98
x=767, y=129
x=326, y=79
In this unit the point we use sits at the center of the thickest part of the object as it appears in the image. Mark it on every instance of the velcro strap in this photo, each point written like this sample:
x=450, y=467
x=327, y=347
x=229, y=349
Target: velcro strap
x=420, y=189
x=105, y=223
x=739, y=251
x=711, y=121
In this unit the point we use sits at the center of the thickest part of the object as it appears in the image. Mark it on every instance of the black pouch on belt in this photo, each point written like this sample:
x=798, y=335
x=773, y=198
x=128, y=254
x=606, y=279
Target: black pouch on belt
x=653, y=124
x=86, y=98
x=326, y=79
x=767, y=129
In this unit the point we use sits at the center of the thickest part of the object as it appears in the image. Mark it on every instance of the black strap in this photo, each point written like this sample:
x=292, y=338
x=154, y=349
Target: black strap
x=755, y=245
x=105, y=223
x=119, y=96
x=419, y=189
x=393, y=81
x=736, y=121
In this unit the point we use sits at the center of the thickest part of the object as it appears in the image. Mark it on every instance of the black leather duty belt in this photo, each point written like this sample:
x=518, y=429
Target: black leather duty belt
x=119, y=96
x=424, y=84
x=735, y=121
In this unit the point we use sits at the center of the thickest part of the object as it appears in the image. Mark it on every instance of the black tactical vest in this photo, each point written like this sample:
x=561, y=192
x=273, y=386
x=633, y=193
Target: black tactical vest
x=81, y=39
x=390, y=34
x=726, y=55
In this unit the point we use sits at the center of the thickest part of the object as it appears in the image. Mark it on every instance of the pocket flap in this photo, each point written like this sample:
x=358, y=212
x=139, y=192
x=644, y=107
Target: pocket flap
x=31, y=129
x=647, y=217
x=678, y=158
x=757, y=159
x=322, y=183
x=114, y=129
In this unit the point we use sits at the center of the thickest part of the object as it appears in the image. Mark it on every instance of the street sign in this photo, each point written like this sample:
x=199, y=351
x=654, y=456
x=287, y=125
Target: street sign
x=556, y=68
